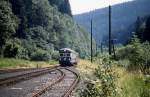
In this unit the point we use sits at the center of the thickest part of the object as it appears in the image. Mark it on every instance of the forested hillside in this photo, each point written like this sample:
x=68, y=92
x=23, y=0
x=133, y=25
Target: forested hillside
x=142, y=30
x=123, y=20
x=36, y=29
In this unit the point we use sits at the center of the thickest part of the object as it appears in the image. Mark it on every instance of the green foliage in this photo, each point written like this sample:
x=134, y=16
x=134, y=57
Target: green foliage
x=19, y=63
x=143, y=28
x=40, y=55
x=8, y=23
x=55, y=55
x=107, y=77
x=10, y=51
x=134, y=86
x=45, y=25
x=146, y=34
x=145, y=92
x=113, y=81
x=137, y=54
x=12, y=63
x=93, y=89
x=146, y=57
x=104, y=86
x=62, y=5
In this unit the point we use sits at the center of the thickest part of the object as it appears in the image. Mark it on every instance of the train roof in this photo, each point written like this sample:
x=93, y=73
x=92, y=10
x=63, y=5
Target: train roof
x=68, y=50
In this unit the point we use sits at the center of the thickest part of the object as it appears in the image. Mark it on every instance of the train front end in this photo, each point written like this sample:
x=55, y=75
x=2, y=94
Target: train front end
x=67, y=57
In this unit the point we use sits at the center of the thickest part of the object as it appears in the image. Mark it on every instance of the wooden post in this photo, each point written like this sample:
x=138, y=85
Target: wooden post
x=110, y=44
x=91, y=41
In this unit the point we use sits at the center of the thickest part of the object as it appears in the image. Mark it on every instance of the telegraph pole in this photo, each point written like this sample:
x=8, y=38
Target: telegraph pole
x=91, y=41
x=110, y=41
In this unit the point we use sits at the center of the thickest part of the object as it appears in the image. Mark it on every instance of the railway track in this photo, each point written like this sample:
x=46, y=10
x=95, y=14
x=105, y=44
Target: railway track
x=3, y=71
x=59, y=82
x=73, y=85
x=15, y=75
x=61, y=88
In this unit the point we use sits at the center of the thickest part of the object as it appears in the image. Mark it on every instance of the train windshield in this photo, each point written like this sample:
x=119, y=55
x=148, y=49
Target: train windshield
x=68, y=54
x=64, y=54
x=61, y=54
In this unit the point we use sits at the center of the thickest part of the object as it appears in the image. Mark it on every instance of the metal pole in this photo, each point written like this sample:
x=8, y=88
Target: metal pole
x=91, y=41
x=110, y=44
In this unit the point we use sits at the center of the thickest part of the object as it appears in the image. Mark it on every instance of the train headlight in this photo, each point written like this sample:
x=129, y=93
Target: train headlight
x=69, y=59
x=65, y=59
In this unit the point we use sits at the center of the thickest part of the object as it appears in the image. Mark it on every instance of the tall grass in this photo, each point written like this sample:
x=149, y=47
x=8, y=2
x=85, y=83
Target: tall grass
x=18, y=63
x=86, y=67
x=128, y=84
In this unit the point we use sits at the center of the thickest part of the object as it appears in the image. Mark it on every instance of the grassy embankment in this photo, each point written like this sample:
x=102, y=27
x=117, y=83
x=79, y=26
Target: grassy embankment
x=130, y=84
x=18, y=63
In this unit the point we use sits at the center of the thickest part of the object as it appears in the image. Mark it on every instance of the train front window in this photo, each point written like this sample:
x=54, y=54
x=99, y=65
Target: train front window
x=68, y=54
x=61, y=55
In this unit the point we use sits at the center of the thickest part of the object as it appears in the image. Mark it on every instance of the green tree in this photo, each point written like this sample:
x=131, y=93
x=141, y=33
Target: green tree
x=8, y=23
x=62, y=5
x=45, y=26
x=147, y=30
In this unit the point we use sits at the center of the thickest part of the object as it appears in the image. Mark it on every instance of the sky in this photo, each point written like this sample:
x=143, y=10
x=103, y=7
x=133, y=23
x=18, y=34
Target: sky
x=81, y=6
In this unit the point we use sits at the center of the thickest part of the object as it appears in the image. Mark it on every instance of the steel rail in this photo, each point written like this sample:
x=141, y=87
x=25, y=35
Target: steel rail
x=61, y=78
x=3, y=71
x=20, y=77
x=74, y=84
x=49, y=86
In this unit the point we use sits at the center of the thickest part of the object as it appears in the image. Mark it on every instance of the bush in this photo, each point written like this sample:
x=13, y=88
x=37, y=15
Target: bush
x=146, y=57
x=145, y=92
x=138, y=54
x=104, y=86
x=40, y=55
x=93, y=89
x=10, y=51
x=55, y=55
x=124, y=52
x=107, y=77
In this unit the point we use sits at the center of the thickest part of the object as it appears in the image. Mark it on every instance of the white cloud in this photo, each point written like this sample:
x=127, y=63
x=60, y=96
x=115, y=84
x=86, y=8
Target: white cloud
x=80, y=6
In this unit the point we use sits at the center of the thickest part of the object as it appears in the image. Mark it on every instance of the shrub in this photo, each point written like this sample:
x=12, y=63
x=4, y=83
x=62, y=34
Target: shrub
x=137, y=53
x=146, y=87
x=40, y=55
x=145, y=92
x=104, y=86
x=93, y=89
x=10, y=51
x=107, y=77
x=146, y=57
x=55, y=55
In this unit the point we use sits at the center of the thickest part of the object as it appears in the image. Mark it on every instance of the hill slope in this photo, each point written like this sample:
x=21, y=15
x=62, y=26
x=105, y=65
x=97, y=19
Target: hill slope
x=123, y=18
x=44, y=28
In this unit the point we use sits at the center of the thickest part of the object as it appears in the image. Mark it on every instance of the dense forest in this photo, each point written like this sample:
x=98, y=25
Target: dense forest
x=37, y=29
x=142, y=30
x=123, y=20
